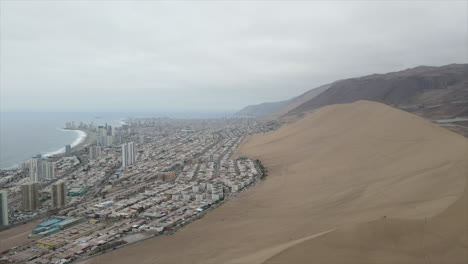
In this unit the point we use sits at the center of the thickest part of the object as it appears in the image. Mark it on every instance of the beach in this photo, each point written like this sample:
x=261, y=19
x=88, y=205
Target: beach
x=24, y=135
x=84, y=139
x=88, y=139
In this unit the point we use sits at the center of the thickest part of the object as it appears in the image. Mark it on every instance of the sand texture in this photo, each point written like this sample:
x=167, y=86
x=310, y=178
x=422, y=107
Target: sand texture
x=351, y=183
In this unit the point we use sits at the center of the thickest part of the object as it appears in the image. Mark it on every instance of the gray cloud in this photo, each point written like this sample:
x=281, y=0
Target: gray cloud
x=152, y=55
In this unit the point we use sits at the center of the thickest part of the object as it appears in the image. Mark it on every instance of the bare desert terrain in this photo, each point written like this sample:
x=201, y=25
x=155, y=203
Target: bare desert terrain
x=349, y=183
x=16, y=236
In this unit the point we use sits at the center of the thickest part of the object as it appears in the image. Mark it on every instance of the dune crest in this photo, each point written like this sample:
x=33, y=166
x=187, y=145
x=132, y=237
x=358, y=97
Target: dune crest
x=339, y=167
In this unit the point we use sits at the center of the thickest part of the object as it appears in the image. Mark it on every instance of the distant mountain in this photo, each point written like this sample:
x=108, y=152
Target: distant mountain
x=435, y=93
x=431, y=92
x=263, y=109
x=297, y=101
x=273, y=110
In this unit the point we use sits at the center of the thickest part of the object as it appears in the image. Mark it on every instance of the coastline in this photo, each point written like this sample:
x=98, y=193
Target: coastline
x=82, y=135
x=87, y=140
x=84, y=139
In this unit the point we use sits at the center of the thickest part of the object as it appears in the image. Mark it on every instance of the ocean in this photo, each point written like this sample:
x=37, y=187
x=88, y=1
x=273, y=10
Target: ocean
x=23, y=135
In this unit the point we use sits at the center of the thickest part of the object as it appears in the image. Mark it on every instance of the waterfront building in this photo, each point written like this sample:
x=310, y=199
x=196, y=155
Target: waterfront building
x=68, y=150
x=36, y=169
x=30, y=196
x=128, y=154
x=94, y=152
x=3, y=208
x=58, y=194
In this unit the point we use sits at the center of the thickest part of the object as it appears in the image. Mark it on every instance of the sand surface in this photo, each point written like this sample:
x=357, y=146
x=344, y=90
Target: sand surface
x=89, y=140
x=372, y=172
x=17, y=235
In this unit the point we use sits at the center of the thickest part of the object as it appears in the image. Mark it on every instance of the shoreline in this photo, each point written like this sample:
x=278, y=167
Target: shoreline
x=82, y=135
x=84, y=139
x=89, y=139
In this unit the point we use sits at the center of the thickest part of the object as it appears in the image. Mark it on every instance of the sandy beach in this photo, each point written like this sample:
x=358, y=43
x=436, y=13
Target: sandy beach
x=86, y=138
x=90, y=139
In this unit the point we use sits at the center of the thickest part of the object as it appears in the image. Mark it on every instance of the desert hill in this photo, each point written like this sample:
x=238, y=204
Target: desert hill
x=274, y=110
x=435, y=93
x=297, y=101
x=439, y=239
x=441, y=91
x=333, y=176
x=263, y=109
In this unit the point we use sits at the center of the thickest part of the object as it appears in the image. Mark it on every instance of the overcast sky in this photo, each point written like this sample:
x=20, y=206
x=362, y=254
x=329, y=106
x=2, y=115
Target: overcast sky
x=215, y=55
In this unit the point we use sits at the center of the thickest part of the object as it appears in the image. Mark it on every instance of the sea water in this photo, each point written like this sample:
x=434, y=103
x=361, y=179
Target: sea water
x=23, y=135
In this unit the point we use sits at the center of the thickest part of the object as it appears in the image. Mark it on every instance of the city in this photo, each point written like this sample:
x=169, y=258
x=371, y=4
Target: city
x=148, y=177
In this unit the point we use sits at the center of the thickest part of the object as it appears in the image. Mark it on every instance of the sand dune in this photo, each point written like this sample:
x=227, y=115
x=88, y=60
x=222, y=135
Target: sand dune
x=370, y=171
x=440, y=239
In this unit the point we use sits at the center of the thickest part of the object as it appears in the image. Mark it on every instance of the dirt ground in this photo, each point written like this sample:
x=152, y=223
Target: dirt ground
x=16, y=236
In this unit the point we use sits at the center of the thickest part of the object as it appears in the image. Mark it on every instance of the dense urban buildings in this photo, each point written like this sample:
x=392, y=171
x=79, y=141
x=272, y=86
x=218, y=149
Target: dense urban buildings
x=105, y=136
x=41, y=169
x=94, y=152
x=100, y=197
x=3, y=208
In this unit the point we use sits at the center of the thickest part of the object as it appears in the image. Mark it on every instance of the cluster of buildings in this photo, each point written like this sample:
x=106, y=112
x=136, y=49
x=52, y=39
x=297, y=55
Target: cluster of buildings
x=52, y=226
x=165, y=174
x=30, y=195
x=94, y=152
x=40, y=169
x=108, y=136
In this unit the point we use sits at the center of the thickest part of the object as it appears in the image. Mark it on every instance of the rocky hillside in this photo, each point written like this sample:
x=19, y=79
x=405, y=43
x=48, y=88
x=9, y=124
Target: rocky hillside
x=443, y=90
x=262, y=109
x=435, y=93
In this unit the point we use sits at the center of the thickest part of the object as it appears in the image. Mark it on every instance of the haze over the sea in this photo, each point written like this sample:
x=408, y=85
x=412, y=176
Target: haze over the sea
x=24, y=134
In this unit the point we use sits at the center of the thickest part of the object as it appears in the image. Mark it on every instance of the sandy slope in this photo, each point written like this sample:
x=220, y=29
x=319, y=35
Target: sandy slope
x=440, y=239
x=339, y=167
